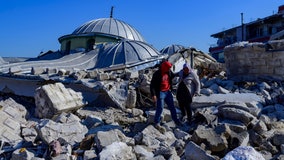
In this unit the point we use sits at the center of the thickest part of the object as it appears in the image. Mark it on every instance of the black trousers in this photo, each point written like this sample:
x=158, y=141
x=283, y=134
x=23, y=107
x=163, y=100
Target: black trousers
x=184, y=101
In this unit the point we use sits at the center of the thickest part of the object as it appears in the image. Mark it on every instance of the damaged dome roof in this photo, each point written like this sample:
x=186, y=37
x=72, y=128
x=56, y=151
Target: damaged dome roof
x=174, y=48
x=111, y=27
x=127, y=53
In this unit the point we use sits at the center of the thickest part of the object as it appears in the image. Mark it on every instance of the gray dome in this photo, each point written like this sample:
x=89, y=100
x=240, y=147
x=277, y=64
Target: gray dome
x=111, y=27
x=171, y=49
x=127, y=53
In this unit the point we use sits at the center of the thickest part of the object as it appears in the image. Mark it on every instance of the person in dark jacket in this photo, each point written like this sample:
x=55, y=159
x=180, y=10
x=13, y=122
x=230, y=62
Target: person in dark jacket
x=160, y=87
x=188, y=86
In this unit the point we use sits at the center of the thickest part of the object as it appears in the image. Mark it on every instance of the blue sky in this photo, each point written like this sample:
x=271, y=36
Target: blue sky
x=31, y=26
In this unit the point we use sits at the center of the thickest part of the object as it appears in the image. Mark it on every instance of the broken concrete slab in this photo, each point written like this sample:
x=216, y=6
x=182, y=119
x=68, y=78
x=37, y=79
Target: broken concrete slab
x=105, y=138
x=119, y=150
x=217, y=99
x=53, y=99
x=193, y=151
x=243, y=152
x=72, y=131
x=12, y=117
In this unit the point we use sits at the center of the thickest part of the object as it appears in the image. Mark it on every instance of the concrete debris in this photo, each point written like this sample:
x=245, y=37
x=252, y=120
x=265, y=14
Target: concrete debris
x=37, y=70
x=22, y=153
x=94, y=114
x=193, y=151
x=244, y=152
x=117, y=150
x=53, y=99
x=15, y=69
x=70, y=130
x=12, y=117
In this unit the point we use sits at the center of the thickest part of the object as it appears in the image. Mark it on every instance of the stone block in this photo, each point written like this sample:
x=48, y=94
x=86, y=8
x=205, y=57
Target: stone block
x=131, y=98
x=274, y=62
x=243, y=152
x=251, y=54
x=259, y=62
x=80, y=75
x=51, y=71
x=62, y=72
x=277, y=44
x=90, y=154
x=103, y=76
x=71, y=131
x=193, y=151
x=15, y=69
x=279, y=70
x=37, y=70
x=241, y=56
x=53, y=99
x=22, y=153
x=92, y=74
x=265, y=55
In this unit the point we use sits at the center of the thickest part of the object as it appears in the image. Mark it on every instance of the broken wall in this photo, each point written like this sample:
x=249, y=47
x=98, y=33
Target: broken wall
x=255, y=61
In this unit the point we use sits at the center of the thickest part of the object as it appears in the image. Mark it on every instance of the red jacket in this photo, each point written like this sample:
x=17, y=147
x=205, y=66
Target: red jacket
x=155, y=85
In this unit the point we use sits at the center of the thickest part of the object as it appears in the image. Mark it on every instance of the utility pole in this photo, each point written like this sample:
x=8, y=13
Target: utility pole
x=242, y=22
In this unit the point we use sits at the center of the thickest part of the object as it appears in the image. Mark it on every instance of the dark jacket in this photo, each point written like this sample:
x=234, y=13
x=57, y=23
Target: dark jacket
x=156, y=81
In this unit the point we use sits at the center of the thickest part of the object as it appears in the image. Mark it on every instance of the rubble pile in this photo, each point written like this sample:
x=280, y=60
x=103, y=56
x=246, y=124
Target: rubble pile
x=229, y=118
x=241, y=120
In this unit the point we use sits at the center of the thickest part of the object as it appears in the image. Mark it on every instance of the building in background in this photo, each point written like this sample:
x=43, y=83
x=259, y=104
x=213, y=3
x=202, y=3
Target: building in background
x=260, y=30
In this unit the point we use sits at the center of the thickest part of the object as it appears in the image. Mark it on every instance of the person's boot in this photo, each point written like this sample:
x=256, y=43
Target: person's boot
x=178, y=123
x=189, y=122
x=189, y=119
x=160, y=128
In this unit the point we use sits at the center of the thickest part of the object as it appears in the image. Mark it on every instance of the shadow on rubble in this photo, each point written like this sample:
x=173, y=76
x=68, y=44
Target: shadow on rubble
x=27, y=102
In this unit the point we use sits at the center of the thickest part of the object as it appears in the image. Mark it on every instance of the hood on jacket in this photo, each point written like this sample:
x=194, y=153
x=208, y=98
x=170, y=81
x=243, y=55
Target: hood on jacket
x=186, y=65
x=165, y=66
x=186, y=69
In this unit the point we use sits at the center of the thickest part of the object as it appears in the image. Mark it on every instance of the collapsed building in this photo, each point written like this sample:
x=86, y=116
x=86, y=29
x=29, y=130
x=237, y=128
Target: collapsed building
x=98, y=59
x=115, y=72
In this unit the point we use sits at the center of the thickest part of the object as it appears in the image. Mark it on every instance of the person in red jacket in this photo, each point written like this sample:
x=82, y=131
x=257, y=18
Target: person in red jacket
x=160, y=87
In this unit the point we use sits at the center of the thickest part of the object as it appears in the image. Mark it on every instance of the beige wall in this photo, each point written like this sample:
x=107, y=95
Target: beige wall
x=254, y=61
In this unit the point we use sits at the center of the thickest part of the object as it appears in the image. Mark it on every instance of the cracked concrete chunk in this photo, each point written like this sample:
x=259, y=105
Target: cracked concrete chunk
x=72, y=131
x=143, y=152
x=193, y=151
x=216, y=142
x=22, y=153
x=53, y=99
x=105, y=138
x=236, y=114
x=15, y=69
x=80, y=75
x=216, y=99
x=131, y=98
x=12, y=115
x=117, y=150
x=37, y=70
x=243, y=152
